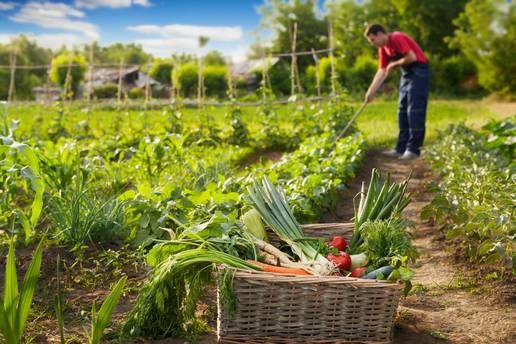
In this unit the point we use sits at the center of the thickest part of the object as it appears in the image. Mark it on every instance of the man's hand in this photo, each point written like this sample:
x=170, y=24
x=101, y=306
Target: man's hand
x=390, y=67
x=368, y=97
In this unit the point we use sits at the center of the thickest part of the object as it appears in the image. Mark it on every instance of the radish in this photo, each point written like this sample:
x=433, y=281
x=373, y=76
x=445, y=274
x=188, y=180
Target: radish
x=342, y=261
x=358, y=272
x=339, y=243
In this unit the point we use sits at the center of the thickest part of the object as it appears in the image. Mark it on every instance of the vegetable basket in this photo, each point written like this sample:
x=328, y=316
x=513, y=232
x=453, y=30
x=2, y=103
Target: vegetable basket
x=274, y=308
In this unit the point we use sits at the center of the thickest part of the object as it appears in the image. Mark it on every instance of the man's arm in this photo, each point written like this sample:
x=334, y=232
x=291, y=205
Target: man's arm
x=378, y=79
x=410, y=57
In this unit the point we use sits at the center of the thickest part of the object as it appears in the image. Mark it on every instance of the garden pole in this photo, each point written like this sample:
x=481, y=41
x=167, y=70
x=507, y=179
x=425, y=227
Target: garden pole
x=317, y=76
x=90, y=76
x=12, y=88
x=48, y=84
x=119, y=94
x=332, y=60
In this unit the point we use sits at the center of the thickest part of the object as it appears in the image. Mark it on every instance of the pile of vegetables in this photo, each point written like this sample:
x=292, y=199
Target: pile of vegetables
x=182, y=267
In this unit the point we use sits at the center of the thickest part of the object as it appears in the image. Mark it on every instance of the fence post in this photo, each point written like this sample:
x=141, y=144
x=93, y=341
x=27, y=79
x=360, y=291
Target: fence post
x=12, y=82
x=90, y=76
x=119, y=91
x=48, y=84
x=332, y=60
x=317, y=76
x=68, y=79
x=147, y=85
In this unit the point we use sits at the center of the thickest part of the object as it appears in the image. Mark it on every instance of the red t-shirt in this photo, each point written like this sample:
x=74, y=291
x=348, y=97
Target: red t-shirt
x=398, y=45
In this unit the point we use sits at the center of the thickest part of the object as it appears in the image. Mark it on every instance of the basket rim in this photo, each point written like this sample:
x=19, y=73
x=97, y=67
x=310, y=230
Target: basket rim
x=311, y=279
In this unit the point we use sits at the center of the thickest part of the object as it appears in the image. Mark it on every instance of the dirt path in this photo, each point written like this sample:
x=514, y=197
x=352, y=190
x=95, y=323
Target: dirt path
x=447, y=304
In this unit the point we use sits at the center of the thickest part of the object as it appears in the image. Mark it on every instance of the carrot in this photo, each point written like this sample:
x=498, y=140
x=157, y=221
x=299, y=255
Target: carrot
x=279, y=269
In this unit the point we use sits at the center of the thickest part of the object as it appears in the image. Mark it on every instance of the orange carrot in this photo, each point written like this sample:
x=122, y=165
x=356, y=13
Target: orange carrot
x=279, y=269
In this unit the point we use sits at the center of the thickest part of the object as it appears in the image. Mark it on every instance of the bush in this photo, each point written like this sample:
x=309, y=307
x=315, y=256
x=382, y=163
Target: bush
x=361, y=74
x=187, y=78
x=59, y=70
x=135, y=93
x=455, y=75
x=161, y=71
x=107, y=91
x=215, y=81
x=279, y=75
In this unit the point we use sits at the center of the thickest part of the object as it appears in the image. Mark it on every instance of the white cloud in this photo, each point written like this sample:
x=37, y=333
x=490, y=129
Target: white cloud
x=221, y=33
x=55, y=16
x=92, y=4
x=52, y=41
x=6, y=6
x=175, y=38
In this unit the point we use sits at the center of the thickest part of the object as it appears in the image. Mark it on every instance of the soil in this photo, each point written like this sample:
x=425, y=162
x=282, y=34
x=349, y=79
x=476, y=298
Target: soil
x=450, y=302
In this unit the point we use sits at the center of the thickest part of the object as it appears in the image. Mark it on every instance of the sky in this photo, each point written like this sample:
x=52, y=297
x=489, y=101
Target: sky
x=162, y=27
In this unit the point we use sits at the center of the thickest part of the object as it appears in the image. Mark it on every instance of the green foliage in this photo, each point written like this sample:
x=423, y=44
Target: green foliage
x=27, y=53
x=187, y=77
x=16, y=304
x=214, y=58
x=473, y=197
x=161, y=71
x=215, y=80
x=279, y=16
x=386, y=241
x=455, y=75
x=486, y=34
x=79, y=216
x=107, y=91
x=100, y=321
x=60, y=67
x=20, y=171
x=136, y=93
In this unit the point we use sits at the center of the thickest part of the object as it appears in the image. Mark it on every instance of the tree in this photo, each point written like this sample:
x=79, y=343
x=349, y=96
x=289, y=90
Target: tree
x=312, y=31
x=27, y=53
x=214, y=58
x=161, y=71
x=130, y=53
x=61, y=66
x=486, y=34
x=430, y=22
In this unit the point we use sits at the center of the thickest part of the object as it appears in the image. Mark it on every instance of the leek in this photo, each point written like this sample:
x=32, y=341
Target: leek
x=275, y=211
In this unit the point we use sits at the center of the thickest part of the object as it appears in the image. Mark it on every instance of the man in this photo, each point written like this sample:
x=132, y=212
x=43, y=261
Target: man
x=397, y=49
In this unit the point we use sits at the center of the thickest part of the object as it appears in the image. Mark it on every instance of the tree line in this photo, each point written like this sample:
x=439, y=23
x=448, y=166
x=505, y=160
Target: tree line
x=471, y=45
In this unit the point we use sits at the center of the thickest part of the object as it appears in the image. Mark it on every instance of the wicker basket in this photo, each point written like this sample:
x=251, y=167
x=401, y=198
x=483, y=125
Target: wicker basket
x=309, y=309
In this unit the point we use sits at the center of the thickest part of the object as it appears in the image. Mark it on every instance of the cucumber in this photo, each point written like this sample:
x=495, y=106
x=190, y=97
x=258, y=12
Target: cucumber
x=385, y=270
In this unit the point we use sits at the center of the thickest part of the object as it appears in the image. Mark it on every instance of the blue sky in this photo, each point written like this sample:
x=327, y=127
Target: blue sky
x=160, y=26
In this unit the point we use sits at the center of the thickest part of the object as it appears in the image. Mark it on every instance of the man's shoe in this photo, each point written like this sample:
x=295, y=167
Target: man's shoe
x=393, y=153
x=408, y=155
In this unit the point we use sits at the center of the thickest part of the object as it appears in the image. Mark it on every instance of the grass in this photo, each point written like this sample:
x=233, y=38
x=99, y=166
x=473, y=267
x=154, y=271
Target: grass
x=379, y=119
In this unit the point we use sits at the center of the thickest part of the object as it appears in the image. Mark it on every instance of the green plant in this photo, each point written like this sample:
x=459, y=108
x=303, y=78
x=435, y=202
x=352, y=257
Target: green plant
x=80, y=216
x=15, y=307
x=107, y=91
x=100, y=320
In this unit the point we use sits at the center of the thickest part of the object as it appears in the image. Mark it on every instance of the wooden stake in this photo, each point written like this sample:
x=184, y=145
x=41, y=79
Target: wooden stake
x=12, y=82
x=147, y=85
x=332, y=60
x=119, y=93
x=90, y=76
x=49, y=81
x=317, y=75
x=199, y=83
x=68, y=79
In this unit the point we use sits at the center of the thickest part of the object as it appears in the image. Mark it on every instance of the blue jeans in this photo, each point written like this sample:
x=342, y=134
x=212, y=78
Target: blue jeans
x=412, y=104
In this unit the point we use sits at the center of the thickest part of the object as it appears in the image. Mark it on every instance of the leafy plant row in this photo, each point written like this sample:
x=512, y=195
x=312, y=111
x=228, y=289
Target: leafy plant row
x=475, y=198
